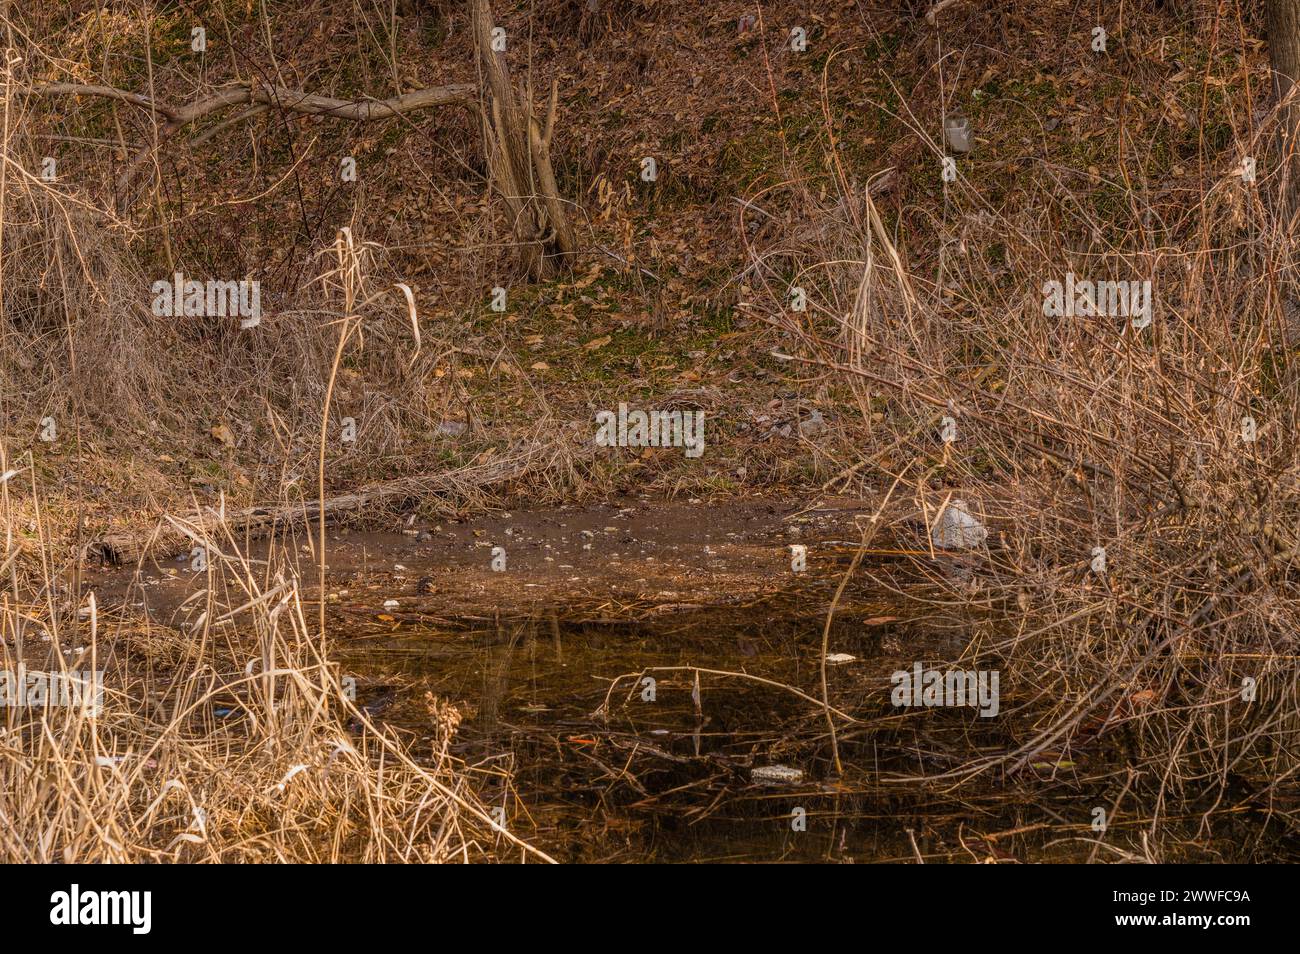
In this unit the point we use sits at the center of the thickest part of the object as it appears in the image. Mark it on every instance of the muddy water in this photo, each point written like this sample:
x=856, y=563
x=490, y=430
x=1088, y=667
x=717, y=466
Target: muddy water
x=596, y=763
x=633, y=670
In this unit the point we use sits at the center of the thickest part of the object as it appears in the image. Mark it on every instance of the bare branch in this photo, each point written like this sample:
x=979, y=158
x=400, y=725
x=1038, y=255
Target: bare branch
x=262, y=98
x=277, y=96
x=937, y=9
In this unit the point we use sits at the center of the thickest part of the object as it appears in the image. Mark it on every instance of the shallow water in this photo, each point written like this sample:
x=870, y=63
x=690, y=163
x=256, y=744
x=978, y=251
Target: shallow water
x=547, y=665
x=601, y=765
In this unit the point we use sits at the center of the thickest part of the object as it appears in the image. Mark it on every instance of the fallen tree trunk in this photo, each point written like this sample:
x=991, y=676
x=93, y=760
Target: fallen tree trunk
x=173, y=535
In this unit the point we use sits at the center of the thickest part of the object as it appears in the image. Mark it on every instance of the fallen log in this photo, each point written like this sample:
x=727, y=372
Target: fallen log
x=172, y=535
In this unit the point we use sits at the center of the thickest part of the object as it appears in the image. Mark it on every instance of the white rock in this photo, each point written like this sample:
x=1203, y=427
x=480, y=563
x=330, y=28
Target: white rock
x=957, y=529
x=839, y=659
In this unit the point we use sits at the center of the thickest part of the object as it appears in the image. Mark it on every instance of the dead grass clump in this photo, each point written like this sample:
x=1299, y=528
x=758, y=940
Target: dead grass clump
x=240, y=744
x=1170, y=447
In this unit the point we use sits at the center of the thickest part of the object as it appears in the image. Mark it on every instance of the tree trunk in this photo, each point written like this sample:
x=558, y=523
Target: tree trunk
x=519, y=157
x=1284, y=48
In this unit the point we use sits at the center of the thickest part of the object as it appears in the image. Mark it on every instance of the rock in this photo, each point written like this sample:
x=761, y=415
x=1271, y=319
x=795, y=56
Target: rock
x=957, y=529
x=839, y=659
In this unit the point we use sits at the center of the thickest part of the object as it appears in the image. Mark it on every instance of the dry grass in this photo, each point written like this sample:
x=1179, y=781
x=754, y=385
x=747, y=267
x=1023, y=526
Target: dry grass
x=243, y=746
x=1076, y=433
x=1072, y=434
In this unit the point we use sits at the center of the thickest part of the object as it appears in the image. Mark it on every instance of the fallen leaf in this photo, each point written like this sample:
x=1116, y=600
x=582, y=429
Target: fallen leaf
x=592, y=274
x=595, y=343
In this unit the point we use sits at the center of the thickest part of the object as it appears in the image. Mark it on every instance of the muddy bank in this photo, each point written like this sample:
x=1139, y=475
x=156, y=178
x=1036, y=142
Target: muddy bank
x=632, y=552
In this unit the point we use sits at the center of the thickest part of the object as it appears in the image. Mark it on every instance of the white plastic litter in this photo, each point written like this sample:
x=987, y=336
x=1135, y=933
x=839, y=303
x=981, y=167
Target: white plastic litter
x=957, y=529
x=957, y=132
